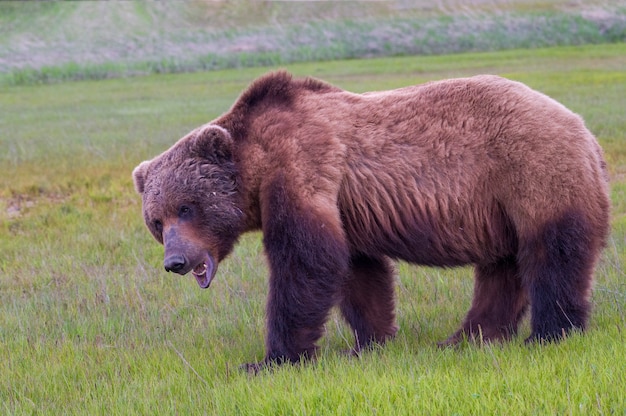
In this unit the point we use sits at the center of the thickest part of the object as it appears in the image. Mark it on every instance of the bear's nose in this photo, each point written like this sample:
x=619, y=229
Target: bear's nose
x=174, y=263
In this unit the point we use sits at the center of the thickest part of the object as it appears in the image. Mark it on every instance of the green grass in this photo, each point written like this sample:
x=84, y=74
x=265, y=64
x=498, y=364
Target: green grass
x=91, y=324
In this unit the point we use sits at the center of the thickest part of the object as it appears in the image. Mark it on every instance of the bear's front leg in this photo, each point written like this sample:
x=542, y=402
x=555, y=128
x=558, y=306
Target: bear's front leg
x=309, y=260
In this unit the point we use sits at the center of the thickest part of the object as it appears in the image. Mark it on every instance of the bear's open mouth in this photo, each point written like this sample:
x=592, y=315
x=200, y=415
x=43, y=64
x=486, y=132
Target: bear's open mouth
x=205, y=271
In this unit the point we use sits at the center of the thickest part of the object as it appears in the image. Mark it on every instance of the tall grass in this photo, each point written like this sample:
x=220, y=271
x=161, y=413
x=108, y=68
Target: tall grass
x=91, y=324
x=140, y=38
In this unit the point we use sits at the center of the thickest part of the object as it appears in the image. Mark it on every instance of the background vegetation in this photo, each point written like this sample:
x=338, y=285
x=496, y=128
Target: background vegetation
x=91, y=324
x=52, y=41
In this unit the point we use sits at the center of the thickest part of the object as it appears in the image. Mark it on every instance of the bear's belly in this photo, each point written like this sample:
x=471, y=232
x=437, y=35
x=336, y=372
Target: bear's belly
x=431, y=240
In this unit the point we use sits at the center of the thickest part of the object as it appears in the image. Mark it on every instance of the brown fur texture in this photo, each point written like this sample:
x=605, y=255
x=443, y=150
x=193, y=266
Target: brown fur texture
x=481, y=171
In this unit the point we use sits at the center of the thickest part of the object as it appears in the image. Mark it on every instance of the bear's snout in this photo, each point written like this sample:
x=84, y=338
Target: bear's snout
x=175, y=263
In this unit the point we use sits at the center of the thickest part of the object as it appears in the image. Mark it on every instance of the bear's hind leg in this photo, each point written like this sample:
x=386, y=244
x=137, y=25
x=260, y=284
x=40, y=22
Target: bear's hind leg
x=368, y=301
x=498, y=305
x=557, y=267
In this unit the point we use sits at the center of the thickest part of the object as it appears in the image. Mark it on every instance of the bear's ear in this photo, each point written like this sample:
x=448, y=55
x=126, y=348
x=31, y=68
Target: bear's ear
x=139, y=176
x=212, y=142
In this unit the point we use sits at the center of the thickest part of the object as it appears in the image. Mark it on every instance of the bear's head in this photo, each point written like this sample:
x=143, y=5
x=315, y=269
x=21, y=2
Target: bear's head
x=191, y=203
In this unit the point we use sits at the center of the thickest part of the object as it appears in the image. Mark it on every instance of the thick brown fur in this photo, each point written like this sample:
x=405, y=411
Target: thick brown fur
x=481, y=171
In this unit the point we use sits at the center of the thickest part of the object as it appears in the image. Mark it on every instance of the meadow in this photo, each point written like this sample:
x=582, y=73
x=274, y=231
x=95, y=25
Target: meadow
x=91, y=324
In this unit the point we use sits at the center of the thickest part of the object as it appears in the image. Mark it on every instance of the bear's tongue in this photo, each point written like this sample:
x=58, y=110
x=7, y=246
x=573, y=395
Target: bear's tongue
x=204, y=272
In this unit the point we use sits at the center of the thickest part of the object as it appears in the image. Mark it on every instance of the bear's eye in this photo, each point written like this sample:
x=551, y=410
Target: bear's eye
x=184, y=211
x=158, y=226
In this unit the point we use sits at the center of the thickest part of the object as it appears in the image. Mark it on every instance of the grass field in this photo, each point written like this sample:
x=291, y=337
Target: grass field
x=91, y=324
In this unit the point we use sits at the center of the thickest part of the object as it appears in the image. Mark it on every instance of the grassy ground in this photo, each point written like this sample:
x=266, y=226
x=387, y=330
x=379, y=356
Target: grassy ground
x=91, y=324
x=96, y=40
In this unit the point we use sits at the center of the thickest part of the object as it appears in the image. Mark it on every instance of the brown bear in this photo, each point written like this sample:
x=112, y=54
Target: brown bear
x=481, y=171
